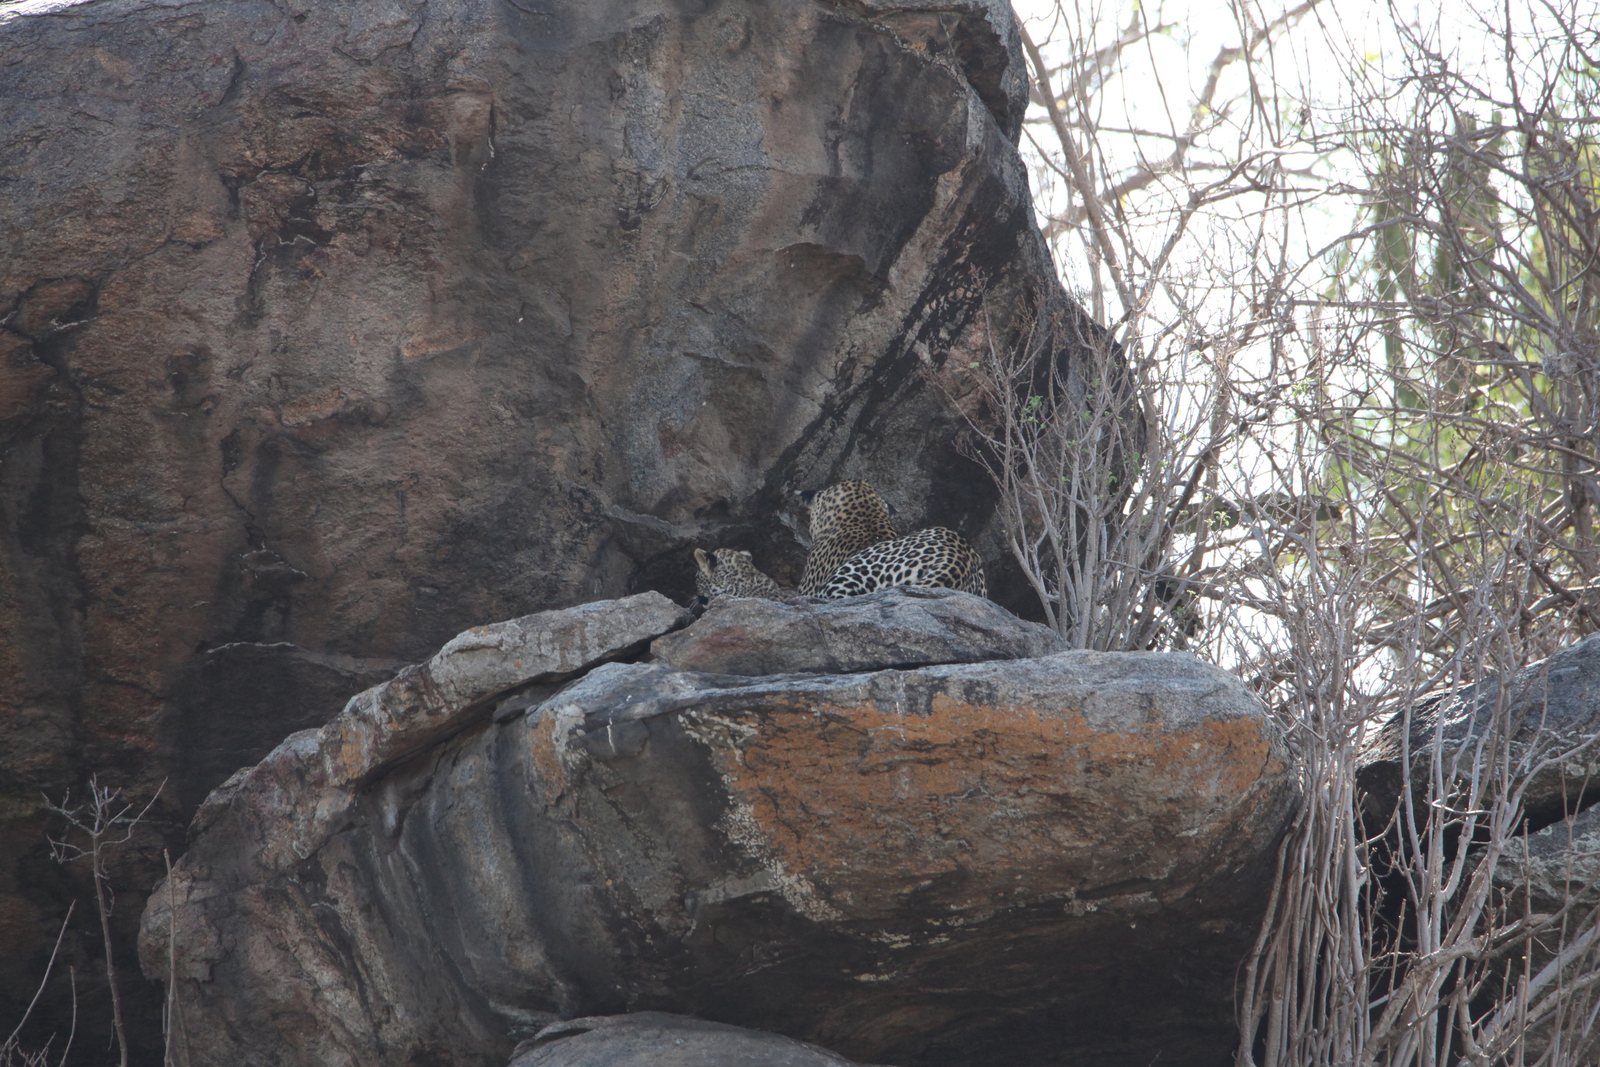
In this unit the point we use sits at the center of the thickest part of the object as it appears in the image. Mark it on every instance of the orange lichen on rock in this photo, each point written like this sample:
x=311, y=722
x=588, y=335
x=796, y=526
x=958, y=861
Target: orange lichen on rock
x=875, y=791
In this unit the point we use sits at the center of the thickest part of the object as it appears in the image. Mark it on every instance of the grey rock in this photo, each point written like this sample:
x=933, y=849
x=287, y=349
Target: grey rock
x=888, y=628
x=1547, y=718
x=433, y=700
x=1050, y=860
x=1552, y=706
x=1554, y=865
x=488, y=668
x=657, y=1039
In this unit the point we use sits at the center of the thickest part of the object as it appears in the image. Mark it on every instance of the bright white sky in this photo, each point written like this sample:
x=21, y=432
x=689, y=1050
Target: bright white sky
x=1311, y=64
x=1164, y=74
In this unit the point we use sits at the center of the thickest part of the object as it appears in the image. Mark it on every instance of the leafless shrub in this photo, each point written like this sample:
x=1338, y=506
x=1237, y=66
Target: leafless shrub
x=1461, y=332
x=1124, y=506
x=101, y=823
x=1091, y=500
x=1360, y=470
x=1465, y=328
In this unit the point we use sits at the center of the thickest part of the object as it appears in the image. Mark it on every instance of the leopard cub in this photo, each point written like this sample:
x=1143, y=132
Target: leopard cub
x=731, y=572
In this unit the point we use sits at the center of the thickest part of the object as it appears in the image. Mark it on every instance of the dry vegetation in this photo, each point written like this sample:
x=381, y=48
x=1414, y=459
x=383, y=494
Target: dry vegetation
x=91, y=830
x=1341, y=435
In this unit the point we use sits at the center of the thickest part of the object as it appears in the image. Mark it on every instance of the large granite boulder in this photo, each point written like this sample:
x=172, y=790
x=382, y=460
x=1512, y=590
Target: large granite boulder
x=1045, y=860
x=329, y=329
x=1548, y=708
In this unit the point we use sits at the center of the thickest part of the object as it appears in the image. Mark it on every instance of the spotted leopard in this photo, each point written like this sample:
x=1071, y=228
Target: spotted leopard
x=731, y=572
x=845, y=518
x=937, y=556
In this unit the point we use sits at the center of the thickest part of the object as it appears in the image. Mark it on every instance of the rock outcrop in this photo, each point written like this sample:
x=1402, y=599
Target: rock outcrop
x=1537, y=732
x=330, y=329
x=1548, y=707
x=1046, y=860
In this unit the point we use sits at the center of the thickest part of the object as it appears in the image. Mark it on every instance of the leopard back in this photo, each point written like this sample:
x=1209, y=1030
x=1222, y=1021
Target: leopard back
x=845, y=518
x=937, y=556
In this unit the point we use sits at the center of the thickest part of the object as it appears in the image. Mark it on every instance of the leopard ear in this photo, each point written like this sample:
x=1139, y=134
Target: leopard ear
x=807, y=495
x=702, y=561
x=748, y=558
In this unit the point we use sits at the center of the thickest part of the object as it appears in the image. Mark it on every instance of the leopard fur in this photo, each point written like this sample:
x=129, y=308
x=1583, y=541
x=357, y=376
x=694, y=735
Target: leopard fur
x=731, y=572
x=937, y=556
x=845, y=518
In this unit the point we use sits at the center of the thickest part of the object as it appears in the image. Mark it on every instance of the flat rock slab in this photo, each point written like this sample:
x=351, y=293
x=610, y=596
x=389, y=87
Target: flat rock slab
x=657, y=1039
x=428, y=702
x=889, y=628
x=1047, y=861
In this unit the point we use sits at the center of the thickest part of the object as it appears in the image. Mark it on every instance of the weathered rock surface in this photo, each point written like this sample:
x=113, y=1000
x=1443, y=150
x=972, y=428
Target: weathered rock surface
x=329, y=329
x=657, y=1039
x=889, y=628
x=1552, y=706
x=1558, y=863
x=1048, y=860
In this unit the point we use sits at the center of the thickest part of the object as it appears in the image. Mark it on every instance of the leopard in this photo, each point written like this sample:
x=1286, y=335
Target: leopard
x=731, y=572
x=936, y=556
x=846, y=517
x=855, y=548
